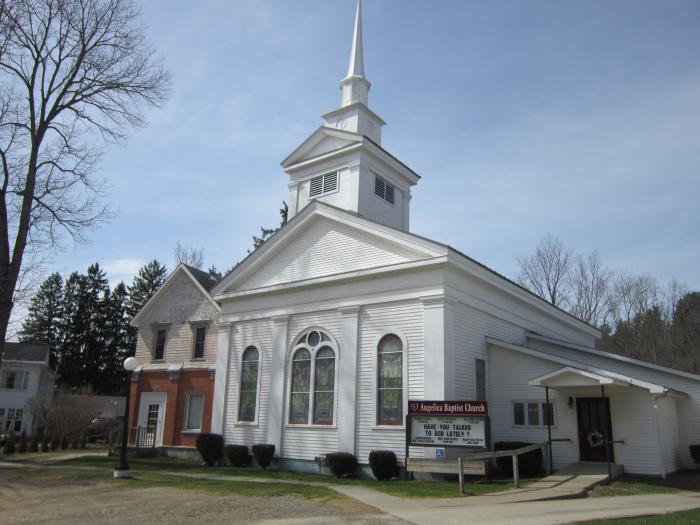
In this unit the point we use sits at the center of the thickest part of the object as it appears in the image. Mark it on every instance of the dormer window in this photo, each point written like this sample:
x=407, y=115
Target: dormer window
x=323, y=184
x=384, y=189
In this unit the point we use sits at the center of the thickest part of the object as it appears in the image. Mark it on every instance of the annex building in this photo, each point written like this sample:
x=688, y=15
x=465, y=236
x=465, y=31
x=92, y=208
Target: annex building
x=317, y=341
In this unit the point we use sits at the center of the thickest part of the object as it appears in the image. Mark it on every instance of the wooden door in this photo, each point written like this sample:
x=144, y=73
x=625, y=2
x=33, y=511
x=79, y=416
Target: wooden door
x=593, y=420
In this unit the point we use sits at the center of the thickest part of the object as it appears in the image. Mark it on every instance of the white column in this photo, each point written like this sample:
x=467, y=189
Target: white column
x=293, y=199
x=347, y=379
x=275, y=404
x=434, y=347
x=221, y=378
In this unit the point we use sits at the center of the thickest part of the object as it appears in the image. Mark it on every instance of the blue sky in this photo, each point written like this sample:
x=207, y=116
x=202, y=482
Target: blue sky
x=580, y=119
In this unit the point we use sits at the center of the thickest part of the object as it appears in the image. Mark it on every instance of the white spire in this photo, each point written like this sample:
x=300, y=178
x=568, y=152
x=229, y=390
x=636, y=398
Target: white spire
x=355, y=86
x=357, y=66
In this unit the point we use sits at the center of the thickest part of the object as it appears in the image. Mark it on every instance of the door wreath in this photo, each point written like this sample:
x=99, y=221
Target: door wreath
x=596, y=439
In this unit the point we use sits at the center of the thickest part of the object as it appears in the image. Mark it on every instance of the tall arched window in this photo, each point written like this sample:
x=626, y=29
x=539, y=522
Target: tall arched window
x=390, y=381
x=312, y=383
x=250, y=364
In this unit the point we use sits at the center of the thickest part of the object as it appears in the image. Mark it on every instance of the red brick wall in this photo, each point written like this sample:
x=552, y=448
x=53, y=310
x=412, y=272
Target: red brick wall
x=175, y=403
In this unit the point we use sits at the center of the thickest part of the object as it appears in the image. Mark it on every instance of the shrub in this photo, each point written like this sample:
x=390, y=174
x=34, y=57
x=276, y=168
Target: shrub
x=695, y=452
x=210, y=447
x=83, y=442
x=9, y=447
x=384, y=464
x=529, y=464
x=45, y=442
x=23, y=442
x=54, y=443
x=34, y=443
x=64, y=442
x=264, y=454
x=75, y=442
x=342, y=464
x=238, y=455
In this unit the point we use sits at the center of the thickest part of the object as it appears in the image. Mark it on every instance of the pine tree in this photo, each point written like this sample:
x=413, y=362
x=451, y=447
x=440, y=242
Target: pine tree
x=117, y=341
x=42, y=324
x=73, y=326
x=147, y=281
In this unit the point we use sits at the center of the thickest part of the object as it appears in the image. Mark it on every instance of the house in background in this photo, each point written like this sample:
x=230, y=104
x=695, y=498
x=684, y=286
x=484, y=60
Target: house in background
x=25, y=380
x=171, y=392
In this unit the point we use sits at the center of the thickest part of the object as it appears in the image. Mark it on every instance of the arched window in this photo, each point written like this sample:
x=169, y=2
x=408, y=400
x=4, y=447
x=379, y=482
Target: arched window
x=312, y=383
x=249, y=384
x=390, y=381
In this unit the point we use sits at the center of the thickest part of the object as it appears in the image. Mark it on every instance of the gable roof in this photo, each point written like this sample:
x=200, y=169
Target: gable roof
x=318, y=136
x=582, y=367
x=202, y=281
x=26, y=352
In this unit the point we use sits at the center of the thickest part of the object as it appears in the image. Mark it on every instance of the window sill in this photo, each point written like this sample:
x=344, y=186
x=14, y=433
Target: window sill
x=310, y=427
x=389, y=427
x=190, y=432
x=246, y=424
x=197, y=360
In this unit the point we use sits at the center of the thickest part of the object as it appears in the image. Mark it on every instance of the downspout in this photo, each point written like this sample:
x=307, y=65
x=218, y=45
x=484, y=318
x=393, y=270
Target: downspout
x=654, y=409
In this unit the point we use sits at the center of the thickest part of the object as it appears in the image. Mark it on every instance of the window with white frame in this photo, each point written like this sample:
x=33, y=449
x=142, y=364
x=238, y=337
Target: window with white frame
x=250, y=364
x=384, y=189
x=14, y=379
x=13, y=421
x=194, y=409
x=323, y=184
x=390, y=380
x=159, y=344
x=312, y=379
x=532, y=413
x=199, y=338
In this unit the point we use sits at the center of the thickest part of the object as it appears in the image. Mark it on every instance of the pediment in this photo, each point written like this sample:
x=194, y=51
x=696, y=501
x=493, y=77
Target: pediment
x=325, y=245
x=323, y=140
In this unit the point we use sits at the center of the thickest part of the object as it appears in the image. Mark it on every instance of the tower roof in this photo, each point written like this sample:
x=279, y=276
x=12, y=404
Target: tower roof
x=356, y=67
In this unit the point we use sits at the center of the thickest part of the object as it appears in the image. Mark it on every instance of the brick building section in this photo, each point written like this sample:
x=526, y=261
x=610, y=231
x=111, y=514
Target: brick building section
x=175, y=404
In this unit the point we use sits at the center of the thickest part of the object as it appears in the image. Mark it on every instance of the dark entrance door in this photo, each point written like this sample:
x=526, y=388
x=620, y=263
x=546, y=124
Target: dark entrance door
x=593, y=421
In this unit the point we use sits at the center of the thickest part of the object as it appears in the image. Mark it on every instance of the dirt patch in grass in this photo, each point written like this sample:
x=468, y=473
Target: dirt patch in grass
x=50, y=496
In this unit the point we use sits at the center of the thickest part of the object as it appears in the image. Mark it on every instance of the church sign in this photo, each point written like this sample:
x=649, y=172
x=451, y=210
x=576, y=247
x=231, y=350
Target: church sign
x=447, y=424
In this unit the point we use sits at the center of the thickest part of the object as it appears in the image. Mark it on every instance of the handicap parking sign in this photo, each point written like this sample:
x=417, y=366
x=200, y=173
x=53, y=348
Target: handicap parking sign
x=439, y=453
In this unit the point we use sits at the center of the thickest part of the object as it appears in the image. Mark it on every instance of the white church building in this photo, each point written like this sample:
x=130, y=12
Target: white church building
x=321, y=336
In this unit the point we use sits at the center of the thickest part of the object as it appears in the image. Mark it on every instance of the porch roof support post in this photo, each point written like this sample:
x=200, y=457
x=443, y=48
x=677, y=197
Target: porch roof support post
x=549, y=428
x=605, y=431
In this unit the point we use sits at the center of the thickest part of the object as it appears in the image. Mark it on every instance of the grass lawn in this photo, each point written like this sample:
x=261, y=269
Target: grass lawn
x=631, y=485
x=688, y=517
x=149, y=467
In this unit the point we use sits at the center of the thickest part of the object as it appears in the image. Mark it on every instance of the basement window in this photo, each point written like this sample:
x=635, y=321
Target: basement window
x=323, y=184
x=384, y=189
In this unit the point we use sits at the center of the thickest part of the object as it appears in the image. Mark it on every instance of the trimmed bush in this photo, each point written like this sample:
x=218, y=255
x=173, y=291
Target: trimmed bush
x=342, y=464
x=238, y=455
x=383, y=464
x=264, y=454
x=529, y=464
x=34, y=443
x=54, y=443
x=64, y=442
x=210, y=447
x=23, y=445
x=9, y=447
x=45, y=442
x=695, y=452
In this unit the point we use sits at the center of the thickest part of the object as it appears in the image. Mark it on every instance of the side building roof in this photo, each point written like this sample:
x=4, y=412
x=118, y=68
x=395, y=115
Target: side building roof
x=26, y=352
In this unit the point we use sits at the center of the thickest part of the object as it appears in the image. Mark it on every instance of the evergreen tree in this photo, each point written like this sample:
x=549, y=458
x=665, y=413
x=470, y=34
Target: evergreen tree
x=42, y=324
x=73, y=326
x=117, y=341
x=147, y=281
x=266, y=233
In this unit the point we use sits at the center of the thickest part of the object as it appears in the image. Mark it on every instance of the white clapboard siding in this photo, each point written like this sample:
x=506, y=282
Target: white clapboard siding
x=631, y=412
x=258, y=333
x=405, y=319
x=667, y=411
x=327, y=247
x=309, y=442
x=471, y=328
x=688, y=409
x=181, y=304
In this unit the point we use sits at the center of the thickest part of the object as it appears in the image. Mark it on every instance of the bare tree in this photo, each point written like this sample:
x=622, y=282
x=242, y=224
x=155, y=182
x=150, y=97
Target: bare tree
x=590, y=290
x=632, y=295
x=547, y=272
x=189, y=255
x=74, y=75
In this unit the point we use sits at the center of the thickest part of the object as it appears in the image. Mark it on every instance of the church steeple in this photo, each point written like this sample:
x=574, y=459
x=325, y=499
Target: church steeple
x=355, y=86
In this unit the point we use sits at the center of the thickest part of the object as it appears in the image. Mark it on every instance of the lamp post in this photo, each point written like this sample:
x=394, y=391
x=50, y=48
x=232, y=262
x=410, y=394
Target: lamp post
x=122, y=468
